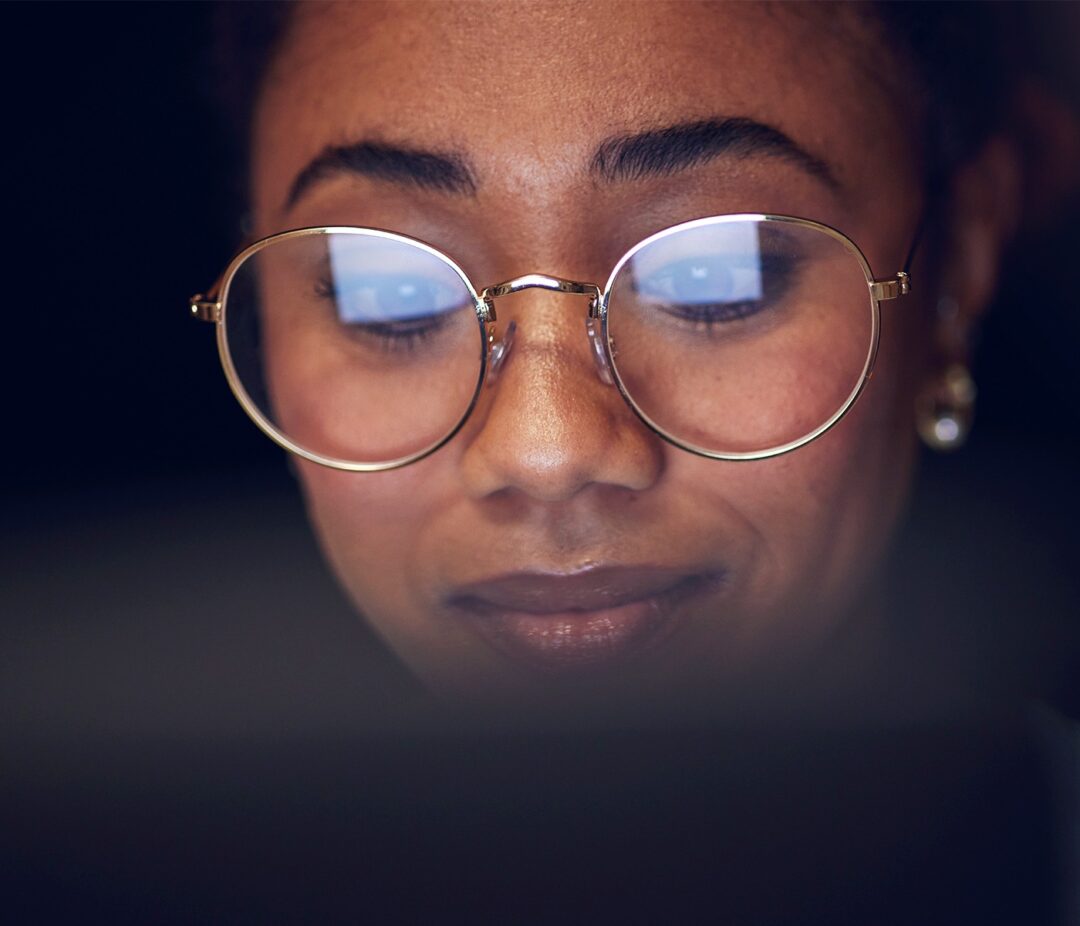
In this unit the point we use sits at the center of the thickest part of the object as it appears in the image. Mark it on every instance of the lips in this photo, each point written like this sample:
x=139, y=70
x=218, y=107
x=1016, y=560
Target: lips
x=589, y=618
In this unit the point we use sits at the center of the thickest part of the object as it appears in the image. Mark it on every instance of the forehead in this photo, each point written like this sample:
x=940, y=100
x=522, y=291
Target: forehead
x=527, y=90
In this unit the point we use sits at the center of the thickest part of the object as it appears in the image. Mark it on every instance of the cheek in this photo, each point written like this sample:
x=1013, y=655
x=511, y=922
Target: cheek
x=381, y=533
x=805, y=532
x=822, y=517
x=371, y=527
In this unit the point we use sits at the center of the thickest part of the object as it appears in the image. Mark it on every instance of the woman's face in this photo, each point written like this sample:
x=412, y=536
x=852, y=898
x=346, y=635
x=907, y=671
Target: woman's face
x=555, y=542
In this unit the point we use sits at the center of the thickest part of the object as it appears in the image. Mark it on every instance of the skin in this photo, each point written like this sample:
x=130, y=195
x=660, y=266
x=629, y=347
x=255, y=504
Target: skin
x=553, y=471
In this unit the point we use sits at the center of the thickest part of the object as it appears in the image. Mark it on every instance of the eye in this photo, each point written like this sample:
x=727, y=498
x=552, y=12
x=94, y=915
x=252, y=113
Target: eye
x=713, y=290
x=392, y=313
x=388, y=297
x=715, y=273
x=703, y=280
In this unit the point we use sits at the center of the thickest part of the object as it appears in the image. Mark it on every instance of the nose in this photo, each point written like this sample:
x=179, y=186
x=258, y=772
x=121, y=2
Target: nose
x=550, y=426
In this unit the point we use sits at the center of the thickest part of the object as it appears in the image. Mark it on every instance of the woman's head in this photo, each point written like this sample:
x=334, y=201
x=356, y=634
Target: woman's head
x=556, y=541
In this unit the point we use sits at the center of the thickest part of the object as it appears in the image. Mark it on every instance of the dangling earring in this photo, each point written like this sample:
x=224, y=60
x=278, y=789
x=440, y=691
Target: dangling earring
x=944, y=411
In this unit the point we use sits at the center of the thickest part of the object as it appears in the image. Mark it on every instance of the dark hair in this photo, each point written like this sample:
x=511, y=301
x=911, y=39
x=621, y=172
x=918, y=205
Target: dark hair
x=963, y=69
x=246, y=38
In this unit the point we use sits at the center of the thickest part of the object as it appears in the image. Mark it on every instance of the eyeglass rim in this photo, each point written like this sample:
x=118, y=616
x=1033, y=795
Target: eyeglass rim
x=255, y=412
x=781, y=449
x=485, y=318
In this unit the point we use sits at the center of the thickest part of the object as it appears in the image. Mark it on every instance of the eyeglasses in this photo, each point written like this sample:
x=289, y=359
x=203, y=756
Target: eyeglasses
x=736, y=337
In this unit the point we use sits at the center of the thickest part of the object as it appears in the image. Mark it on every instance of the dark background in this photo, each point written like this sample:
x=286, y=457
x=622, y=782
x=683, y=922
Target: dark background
x=196, y=724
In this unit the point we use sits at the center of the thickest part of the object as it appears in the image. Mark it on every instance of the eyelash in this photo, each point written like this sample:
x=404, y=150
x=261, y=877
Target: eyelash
x=707, y=317
x=389, y=337
x=779, y=269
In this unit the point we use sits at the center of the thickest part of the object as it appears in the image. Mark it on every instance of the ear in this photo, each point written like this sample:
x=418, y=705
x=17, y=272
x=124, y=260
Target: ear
x=984, y=212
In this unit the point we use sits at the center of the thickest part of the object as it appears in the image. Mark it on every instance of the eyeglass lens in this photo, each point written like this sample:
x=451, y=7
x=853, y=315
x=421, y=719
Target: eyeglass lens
x=354, y=347
x=741, y=336
x=731, y=336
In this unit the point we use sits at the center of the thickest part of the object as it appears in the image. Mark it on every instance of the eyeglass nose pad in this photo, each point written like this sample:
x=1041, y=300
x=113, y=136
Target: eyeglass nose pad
x=500, y=350
x=603, y=368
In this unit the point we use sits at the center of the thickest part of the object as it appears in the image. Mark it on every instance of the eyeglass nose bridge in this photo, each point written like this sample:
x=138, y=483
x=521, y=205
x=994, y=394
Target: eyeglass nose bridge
x=501, y=349
x=543, y=281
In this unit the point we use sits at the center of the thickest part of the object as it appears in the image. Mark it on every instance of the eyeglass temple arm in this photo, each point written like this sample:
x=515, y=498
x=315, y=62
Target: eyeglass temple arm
x=900, y=285
x=891, y=288
x=207, y=308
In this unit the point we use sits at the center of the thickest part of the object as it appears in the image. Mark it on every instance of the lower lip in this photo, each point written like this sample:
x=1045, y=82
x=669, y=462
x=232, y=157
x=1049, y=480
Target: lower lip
x=577, y=640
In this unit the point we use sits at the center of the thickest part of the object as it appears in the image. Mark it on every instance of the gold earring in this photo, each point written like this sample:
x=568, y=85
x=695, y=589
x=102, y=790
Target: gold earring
x=944, y=411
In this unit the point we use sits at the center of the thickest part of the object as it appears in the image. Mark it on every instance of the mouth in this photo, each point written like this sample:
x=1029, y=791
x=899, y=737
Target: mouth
x=599, y=616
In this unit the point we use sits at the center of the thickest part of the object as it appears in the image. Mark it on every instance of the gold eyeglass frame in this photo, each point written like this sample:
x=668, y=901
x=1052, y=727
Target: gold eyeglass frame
x=213, y=307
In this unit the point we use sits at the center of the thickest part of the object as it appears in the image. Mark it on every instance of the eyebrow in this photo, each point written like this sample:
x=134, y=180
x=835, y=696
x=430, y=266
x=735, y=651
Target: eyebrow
x=427, y=170
x=666, y=151
x=655, y=153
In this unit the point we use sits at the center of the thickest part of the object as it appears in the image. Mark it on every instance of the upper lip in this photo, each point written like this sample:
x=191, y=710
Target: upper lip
x=592, y=589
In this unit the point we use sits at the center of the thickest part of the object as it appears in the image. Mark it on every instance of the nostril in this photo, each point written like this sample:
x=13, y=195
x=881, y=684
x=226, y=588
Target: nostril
x=603, y=368
x=500, y=351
